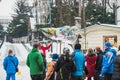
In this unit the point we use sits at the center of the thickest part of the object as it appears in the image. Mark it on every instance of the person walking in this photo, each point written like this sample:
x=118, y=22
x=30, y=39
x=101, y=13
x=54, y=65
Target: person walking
x=108, y=62
x=116, y=72
x=79, y=60
x=35, y=63
x=90, y=63
x=98, y=65
x=10, y=64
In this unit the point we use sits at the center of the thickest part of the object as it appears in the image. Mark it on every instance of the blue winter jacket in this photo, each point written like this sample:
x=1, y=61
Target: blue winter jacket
x=8, y=64
x=108, y=61
x=79, y=62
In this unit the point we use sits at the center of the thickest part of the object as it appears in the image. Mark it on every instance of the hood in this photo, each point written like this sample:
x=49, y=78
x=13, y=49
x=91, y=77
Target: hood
x=34, y=50
x=107, y=45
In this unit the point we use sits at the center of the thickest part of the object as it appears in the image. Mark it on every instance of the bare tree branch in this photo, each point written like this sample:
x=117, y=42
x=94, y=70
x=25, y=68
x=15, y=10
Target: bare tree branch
x=109, y=4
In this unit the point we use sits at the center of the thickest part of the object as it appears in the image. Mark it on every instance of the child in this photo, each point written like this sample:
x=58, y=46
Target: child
x=50, y=71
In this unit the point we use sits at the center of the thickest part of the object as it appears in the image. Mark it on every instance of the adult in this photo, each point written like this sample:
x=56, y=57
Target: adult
x=10, y=63
x=79, y=60
x=35, y=63
x=98, y=65
x=108, y=62
x=43, y=48
x=64, y=66
x=90, y=63
x=116, y=72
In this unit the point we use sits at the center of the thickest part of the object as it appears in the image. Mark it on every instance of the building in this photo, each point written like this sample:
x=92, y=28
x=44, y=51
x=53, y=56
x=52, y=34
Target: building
x=97, y=35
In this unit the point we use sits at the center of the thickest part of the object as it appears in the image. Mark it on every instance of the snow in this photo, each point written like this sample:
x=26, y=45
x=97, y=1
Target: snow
x=21, y=53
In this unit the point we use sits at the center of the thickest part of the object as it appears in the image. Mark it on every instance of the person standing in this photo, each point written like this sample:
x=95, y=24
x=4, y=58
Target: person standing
x=108, y=62
x=10, y=63
x=98, y=65
x=79, y=60
x=50, y=70
x=35, y=63
x=64, y=66
x=116, y=72
x=43, y=50
x=90, y=63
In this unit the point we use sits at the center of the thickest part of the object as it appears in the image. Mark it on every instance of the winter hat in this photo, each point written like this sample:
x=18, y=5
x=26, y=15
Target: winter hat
x=54, y=56
x=107, y=45
x=66, y=50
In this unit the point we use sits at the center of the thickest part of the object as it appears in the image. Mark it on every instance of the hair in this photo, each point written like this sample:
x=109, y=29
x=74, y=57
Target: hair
x=98, y=48
x=35, y=45
x=10, y=51
x=77, y=46
x=90, y=50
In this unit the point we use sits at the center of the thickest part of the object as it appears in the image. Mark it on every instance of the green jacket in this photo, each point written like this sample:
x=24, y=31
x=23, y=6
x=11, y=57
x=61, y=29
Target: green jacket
x=35, y=62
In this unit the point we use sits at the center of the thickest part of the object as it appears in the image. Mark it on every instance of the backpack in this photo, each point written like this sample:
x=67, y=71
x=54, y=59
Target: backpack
x=67, y=67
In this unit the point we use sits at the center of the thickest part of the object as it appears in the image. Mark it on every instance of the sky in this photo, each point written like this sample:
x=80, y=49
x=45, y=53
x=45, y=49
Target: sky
x=7, y=8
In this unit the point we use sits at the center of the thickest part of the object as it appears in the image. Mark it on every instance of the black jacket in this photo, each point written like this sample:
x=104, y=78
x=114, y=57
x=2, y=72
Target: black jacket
x=99, y=61
x=64, y=67
x=116, y=72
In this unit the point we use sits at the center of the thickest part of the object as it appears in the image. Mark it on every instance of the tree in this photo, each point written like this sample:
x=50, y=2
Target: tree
x=64, y=12
x=19, y=25
x=97, y=14
x=1, y=31
x=114, y=6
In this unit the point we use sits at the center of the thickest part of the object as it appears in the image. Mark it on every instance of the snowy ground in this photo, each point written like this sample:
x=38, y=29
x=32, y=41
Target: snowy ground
x=21, y=53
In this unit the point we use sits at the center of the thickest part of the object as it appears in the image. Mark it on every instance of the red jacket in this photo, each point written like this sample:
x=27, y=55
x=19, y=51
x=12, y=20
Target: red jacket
x=43, y=48
x=90, y=64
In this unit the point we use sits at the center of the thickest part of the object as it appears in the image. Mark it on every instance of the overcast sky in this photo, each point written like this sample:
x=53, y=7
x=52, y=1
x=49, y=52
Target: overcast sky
x=7, y=7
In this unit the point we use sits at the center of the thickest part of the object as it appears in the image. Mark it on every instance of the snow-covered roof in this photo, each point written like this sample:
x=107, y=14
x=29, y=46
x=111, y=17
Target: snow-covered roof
x=110, y=25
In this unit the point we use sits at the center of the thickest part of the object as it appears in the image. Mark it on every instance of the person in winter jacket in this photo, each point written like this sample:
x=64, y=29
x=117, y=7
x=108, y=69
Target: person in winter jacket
x=64, y=66
x=90, y=63
x=79, y=60
x=35, y=63
x=44, y=48
x=98, y=65
x=108, y=62
x=10, y=63
x=116, y=72
x=50, y=71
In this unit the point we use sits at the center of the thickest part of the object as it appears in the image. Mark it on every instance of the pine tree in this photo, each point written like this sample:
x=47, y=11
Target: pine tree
x=19, y=25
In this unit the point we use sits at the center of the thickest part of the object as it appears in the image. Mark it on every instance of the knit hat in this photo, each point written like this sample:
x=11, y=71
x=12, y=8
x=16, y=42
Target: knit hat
x=66, y=50
x=107, y=45
x=54, y=56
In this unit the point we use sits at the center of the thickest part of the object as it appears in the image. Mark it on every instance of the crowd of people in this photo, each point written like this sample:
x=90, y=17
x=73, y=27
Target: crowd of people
x=95, y=63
